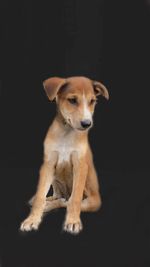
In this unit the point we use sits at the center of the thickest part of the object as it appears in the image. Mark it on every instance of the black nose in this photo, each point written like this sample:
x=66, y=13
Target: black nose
x=86, y=123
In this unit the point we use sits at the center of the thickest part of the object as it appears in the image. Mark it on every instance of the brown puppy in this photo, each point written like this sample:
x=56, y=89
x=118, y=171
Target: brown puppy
x=68, y=165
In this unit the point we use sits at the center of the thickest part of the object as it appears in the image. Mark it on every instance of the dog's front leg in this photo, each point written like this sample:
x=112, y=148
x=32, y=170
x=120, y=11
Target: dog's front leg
x=45, y=181
x=72, y=222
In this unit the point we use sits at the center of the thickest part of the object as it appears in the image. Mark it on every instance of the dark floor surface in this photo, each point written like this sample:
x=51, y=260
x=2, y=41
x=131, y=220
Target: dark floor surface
x=118, y=235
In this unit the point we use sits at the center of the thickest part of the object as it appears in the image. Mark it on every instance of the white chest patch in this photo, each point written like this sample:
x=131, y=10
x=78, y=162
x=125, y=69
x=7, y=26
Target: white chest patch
x=65, y=146
x=64, y=153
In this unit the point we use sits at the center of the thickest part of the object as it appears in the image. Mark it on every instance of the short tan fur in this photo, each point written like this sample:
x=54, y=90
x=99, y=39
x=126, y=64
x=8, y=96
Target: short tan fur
x=68, y=163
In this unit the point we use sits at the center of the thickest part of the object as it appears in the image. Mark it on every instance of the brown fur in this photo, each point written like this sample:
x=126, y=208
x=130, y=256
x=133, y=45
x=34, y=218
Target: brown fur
x=68, y=164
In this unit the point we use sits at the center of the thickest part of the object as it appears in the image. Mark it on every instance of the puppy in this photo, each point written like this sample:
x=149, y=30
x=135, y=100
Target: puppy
x=68, y=165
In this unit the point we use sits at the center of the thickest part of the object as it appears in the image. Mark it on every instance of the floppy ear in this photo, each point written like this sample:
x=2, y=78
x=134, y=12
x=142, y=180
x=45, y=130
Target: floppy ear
x=100, y=89
x=52, y=86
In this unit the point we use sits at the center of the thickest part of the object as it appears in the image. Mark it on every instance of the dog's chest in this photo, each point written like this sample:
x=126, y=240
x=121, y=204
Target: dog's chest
x=64, y=152
x=65, y=146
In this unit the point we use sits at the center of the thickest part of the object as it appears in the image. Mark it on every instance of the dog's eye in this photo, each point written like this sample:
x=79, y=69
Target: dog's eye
x=73, y=100
x=92, y=101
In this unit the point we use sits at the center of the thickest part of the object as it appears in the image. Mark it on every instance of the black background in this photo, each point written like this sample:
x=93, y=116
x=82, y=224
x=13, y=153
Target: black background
x=104, y=40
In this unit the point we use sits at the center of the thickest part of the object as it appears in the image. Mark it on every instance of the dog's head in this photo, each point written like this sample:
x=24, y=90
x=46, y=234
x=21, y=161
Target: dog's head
x=76, y=98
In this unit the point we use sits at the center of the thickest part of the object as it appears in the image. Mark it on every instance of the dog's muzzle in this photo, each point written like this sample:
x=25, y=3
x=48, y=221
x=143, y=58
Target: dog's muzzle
x=85, y=124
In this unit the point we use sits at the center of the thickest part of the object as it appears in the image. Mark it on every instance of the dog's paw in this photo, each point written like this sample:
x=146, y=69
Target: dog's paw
x=31, y=223
x=74, y=227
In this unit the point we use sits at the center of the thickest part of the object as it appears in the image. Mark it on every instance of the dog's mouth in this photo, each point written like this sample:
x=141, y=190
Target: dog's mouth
x=83, y=129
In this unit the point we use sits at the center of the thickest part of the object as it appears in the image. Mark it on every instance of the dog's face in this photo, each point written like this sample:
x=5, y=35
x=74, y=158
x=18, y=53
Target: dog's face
x=76, y=99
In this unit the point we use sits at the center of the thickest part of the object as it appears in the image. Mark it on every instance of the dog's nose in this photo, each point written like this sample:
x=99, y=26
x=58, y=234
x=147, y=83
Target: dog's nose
x=86, y=123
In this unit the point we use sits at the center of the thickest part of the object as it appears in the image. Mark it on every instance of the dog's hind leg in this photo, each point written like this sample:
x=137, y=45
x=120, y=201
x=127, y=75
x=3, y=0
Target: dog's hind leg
x=91, y=203
x=57, y=200
x=56, y=194
x=92, y=200
x=55, y=204
x=88, y=204
x=50, y=198
x=52, y=203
